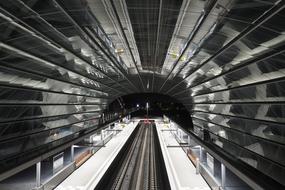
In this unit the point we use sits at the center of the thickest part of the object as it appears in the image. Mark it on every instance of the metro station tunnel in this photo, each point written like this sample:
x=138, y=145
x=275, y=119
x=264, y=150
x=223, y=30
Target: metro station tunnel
x=142, y=94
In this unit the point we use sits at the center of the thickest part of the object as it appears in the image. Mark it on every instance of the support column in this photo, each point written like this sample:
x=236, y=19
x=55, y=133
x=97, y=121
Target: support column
x=102, y=137
x=197, y=166
x=72, y=153
x=189, y=141
x=223, y=174
x=38, y=174
x=109, y=129
x=200, y=153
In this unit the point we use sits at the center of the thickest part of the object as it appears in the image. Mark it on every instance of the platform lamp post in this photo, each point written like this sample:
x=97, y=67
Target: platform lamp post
x=38, y=174
x=72, y=153
x=147, y=106
x=223, y=171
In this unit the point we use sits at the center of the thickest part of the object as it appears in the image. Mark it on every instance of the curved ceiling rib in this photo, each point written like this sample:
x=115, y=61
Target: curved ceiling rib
x=94, y=41
x=200, y=22
x=64, y=61
x=50, y=41
x=156, y=43
x=128, y=45
x=263, y=18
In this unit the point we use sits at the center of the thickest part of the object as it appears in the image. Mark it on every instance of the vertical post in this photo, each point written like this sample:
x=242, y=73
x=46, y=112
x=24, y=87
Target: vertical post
x=38, y=174
x=147, y=106
x=176, y=132
x=72, y=153
x=223, y=171
x=197, y=166
x=201, y=153
x=109, y=129
x=189, y=143
x=102, y=137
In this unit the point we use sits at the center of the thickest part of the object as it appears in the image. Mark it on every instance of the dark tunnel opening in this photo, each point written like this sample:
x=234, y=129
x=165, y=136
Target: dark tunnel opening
x=159, y=105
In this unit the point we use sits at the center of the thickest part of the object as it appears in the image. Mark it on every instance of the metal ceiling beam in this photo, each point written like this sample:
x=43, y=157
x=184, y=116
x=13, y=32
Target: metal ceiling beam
x=10, y=67
x=181, y=17
x=255, y=24
x=238, y=131
x=57, y=149
x=50, y=129
x=35, y=58
x=156, y=42
x=262, y=57
x=197, y=27
x=84, y=33
x=46, y=39
x=127, y=42
x=240, y=169
x=233, y=103
x=188, y=61
x=49, y=91
x=230, y=141
x=47, y=117
x=129, y=26
x=28, y=104
x=244, y=86
x=241, y=117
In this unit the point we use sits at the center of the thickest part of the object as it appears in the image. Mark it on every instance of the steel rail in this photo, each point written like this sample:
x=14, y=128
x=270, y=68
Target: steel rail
x=122, y=172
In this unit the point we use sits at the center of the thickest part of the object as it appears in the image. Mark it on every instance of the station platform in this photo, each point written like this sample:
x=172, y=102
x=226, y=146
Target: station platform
x=181, y=172
x=89, y=174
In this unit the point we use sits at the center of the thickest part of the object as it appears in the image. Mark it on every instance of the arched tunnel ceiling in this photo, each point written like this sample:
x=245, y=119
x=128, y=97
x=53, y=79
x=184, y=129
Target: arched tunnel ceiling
x=223, y=59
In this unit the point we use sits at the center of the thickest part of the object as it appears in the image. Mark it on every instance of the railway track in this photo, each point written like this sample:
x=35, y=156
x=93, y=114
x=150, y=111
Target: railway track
x=139, y=165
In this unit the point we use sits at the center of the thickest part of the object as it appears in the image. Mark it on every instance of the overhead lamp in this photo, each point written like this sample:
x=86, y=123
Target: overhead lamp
x=174, y=55
x=147, y=86
x=183, y=58
x=119, y=51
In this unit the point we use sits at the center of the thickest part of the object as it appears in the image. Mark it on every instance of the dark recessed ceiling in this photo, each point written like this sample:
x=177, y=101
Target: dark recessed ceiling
x=153, y=32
